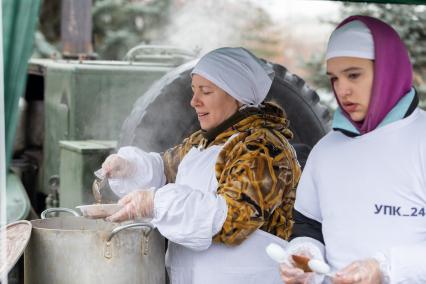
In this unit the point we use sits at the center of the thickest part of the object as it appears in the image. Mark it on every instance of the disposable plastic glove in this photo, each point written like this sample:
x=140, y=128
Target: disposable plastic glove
x=137, y=204
x=365, y=271
x=115, y=166
x=290, y=274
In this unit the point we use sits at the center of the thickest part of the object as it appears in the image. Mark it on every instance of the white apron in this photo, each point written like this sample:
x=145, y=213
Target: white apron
x=243, y=264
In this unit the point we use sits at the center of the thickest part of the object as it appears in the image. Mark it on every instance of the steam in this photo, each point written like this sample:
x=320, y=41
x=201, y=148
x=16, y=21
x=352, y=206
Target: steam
x=201, y=26
x=208, y=24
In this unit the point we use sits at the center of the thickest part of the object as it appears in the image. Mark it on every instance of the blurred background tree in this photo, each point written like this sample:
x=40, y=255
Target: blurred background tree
x=118, y=25
x=409, y=21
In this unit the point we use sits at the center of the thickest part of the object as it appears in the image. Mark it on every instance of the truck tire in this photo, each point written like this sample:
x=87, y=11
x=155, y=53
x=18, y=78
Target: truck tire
x=163, y=117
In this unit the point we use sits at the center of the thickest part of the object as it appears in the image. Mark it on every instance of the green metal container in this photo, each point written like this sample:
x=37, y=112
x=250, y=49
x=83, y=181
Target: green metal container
x=78, y=161
x=89, y=100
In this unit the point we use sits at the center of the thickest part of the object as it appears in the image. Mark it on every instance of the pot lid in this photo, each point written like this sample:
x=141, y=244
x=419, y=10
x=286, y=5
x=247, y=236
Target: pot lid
x=17, y=235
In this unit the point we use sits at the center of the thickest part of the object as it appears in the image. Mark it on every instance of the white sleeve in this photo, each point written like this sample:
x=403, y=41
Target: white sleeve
x=188, y=216
x=307, y=199
x=407, y=263
x=148, y=171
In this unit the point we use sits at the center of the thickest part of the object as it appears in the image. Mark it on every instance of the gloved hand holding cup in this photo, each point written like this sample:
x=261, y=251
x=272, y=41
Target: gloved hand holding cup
x=299, y=264
x=136, y=204
x=116, y=166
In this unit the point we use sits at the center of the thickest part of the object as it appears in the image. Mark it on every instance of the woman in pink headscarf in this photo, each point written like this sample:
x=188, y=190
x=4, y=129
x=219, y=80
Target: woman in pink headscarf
x=361, y=201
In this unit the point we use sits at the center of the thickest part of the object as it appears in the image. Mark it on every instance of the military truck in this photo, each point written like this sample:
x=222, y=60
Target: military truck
x=79, y=111
x=92, y=107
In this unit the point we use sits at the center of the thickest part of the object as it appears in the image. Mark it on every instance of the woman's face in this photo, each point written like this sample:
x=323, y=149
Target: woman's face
x=352, y=81
x=212, y=104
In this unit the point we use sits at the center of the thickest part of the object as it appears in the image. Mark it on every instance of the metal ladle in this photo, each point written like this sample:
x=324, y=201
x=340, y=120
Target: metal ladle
x=98, y=184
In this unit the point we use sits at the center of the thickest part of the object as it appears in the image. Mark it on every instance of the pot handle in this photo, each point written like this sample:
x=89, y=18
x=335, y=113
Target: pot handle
x=145, y=243
x=58, y=209
x=120, y=228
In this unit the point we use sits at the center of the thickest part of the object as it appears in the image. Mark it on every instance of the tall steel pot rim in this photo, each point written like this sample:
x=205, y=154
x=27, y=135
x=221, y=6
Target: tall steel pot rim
x=149, y=227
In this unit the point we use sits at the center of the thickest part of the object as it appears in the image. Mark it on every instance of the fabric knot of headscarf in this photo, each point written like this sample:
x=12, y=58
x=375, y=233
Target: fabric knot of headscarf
x=238, y=72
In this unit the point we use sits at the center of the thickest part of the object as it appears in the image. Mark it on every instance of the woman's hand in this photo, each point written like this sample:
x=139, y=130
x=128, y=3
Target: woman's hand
x=294, y=272
x=135, y=204
x=115, y=166
x=292, y=275
x=365, y=271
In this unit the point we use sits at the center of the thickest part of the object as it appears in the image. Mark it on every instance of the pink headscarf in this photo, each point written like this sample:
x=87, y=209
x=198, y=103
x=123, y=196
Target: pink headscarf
x=393, y=73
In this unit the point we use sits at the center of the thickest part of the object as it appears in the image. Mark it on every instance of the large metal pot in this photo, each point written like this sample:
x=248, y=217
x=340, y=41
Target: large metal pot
x=80, y=250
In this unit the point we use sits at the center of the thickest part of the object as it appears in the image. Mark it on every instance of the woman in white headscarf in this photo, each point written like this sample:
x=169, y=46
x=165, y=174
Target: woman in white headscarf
x=228, y=190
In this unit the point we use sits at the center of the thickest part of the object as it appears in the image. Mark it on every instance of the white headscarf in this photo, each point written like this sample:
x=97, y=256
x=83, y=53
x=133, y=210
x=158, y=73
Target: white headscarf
x=353, y=39
x=238, y=72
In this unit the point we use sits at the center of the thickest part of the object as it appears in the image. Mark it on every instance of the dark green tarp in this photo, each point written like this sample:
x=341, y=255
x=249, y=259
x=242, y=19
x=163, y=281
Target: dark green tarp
x=19, y=24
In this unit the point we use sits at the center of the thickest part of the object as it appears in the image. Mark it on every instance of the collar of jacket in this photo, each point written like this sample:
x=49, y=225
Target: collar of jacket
x=268, y=115
x=405, y=106
x=242, y=113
